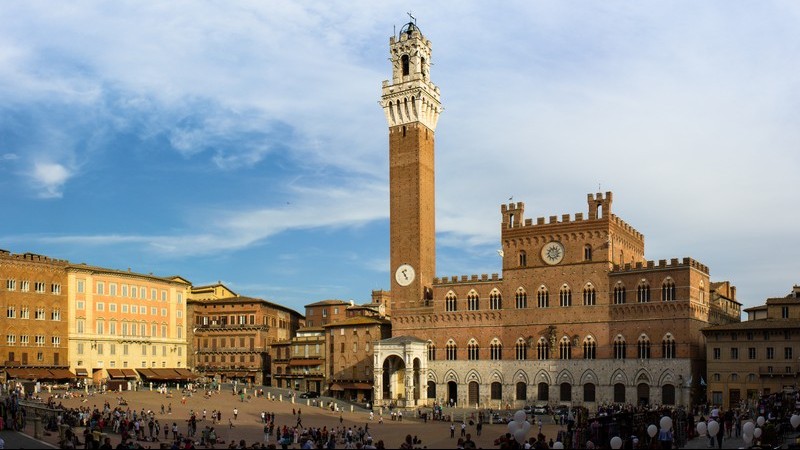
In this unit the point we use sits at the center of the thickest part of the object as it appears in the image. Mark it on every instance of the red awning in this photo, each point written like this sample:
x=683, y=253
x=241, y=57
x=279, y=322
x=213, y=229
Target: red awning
x=81, y=372
x=129, y=373
x=115, y=373
x=61, y=374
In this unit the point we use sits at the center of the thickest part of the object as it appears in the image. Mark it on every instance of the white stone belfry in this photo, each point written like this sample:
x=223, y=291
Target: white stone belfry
x=410, y=97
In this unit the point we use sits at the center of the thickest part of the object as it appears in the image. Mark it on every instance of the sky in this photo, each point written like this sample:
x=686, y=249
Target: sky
x=243, y=142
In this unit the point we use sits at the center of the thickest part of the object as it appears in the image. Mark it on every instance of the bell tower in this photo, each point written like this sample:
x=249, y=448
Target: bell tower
x=411, y=104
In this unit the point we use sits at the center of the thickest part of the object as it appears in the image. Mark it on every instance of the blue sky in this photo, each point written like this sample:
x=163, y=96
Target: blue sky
x=242, y=141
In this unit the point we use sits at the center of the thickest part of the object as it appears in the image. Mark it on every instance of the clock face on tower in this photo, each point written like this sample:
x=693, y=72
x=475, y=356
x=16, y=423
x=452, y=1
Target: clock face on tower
x=404, y=275
x=553, y=253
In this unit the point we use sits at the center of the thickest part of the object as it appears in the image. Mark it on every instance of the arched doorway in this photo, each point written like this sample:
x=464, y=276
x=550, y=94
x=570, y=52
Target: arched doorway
x=431, y=389
x=668, y=394
x=566, y=392
x=619, y=393
x=643, y=393
x=452, y=392
x=394, y=378
x=474, y=392
x=543, y=393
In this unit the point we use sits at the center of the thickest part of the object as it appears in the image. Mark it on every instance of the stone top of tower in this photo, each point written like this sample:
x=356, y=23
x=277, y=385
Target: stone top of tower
x=410, y=96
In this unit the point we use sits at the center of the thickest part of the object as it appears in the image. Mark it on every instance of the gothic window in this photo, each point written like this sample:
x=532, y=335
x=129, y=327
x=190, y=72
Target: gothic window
x=523, y=258
x=644, y=347
x=521, y=298
x=450, y=301
x=473, y=301
x=543, y=297
x=620, y=348
x=668, y=347
x=495, y=300
x=589, y=295
x=643, y=292
x=521, y=349
x=472, y=350
x=565, y=296
x=587, y=252
x=451, y=351
x=404, y=61
x=565, y=348
x=668, y=290
x=496, y=350
x=542, y=349
x=619, y=294
x=589, y=348
x=431, y=351
x=497, y=390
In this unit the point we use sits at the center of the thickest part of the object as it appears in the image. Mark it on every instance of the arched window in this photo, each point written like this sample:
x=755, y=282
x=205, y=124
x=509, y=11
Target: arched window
x=619, y=393
x=565, y=348
x=588, y=392
x=668, y=290
x=404, y=61
x=496, y=350
x=587, y=252
x=497, y=390
x=589, y=348
x=543, y=392
x=472, y=350
x=668, y=394
x=620, y=347
x=522, y=390
x=542, y=349
x=589, y=295
x=543, y=297
x=521, y=298
x=450, y=301
x=566, y=392
x=473, y=301
x=668, y=347
x=702, y=292
x=643, y=292
x=521, y=349
x=523, y=258
x=431, y=351
x=644, y=347
x=619, y=294
x=565, y=296
x=451, y=351
x=495, y=300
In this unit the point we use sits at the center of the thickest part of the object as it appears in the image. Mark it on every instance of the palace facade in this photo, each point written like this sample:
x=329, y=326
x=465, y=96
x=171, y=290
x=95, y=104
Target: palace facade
x=577, y=316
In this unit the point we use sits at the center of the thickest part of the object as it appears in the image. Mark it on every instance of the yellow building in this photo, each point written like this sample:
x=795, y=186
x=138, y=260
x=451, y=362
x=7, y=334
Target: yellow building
x=126, y=325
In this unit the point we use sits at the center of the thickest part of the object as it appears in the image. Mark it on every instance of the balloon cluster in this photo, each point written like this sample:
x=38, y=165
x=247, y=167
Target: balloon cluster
x=519, y=427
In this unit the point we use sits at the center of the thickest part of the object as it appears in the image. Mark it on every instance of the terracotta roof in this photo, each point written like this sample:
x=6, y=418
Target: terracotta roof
x=359, y=320
x=328, y=302
x=402, y=340
x=242, y=299
x=759, y=324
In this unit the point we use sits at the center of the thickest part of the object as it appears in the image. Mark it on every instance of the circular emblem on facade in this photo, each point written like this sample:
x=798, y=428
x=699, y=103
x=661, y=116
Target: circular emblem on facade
x=553, y=253
x=404, y=275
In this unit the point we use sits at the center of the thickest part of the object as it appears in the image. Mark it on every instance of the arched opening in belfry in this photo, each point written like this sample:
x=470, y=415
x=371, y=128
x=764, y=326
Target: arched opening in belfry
x=394, y=378
x=422, y=65
x=405, y=63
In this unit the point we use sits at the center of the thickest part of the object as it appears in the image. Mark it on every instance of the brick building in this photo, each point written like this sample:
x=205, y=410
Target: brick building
x=758, y=356
x=34, y=300
x=578, y=314
x=231, y=336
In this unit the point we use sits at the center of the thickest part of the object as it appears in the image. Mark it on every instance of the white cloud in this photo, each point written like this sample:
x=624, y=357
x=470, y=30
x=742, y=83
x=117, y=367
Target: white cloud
x=50, y=178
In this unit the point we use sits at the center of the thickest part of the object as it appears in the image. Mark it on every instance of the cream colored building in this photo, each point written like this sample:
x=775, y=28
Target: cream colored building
x=123, y=321
x=759, y=356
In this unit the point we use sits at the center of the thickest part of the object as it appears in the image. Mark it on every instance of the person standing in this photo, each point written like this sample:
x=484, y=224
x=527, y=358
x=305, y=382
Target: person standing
x=235, y=413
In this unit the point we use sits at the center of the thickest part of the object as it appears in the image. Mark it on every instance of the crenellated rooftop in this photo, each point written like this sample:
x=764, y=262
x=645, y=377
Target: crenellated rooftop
x=32, y=257
x=673, y=263
x=467, y=279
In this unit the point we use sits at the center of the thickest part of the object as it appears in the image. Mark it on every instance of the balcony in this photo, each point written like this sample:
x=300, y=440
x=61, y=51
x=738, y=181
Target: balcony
x=779, y=370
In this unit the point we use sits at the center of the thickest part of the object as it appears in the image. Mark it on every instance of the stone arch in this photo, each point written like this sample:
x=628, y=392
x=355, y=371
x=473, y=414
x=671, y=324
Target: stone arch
x=451, y=375
x=619, y=376
x=642, y=376
x=542, y=376
x=589, y=376
x=667, y=377
x=473, y=375
x=496, y=375
x=565, y=376
x=521, y=375
x=432, y=376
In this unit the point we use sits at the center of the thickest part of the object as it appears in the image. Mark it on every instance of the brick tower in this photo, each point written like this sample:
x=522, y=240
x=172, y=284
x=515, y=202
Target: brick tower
x=412, y=107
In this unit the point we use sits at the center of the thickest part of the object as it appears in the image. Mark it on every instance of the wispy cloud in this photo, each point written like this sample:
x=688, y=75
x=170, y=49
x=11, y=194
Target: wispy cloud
x=50, y=178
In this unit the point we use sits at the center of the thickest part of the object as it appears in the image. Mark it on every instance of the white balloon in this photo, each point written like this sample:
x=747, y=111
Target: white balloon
x=757, y=433
x=795, y=421
x=666, y=423
x=526, y=426
x=520, y=435
x=616, y=442
x=748, y=428
x=713, y=428
x=513, y=426
x=652, y=430
x=520, y=416
x=701, y=428
x=747, y=438
x=558, y=446
x=760, y=421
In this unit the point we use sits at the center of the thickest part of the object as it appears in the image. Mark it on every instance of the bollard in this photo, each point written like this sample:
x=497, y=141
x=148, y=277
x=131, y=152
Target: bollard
x=280, y=397
x=351, y=408
x=37, y=427
x=151, y=386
